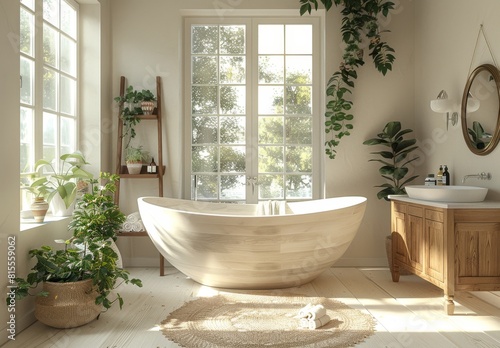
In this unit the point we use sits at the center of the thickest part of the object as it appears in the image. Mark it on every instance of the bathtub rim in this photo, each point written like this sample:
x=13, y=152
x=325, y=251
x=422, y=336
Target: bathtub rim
x=354, y=201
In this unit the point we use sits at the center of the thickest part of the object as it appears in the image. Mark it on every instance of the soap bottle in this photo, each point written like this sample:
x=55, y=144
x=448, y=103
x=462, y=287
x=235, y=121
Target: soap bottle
x=152, y=166
x=439, y=176
x=446, y=176
x=430, y=180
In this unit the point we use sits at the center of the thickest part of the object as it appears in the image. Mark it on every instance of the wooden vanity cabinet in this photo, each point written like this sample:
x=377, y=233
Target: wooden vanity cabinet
x=455, y=249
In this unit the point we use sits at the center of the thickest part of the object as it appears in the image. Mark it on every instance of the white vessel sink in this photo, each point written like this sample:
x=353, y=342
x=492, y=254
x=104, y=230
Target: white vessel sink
x=452, y=194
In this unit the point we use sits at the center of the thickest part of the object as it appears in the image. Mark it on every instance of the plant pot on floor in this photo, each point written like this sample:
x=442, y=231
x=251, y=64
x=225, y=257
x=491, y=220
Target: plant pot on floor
x=68, y=305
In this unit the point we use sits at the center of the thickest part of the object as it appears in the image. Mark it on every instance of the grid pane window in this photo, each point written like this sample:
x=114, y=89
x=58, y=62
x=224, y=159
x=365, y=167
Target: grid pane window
x=252, y=130
x=49, y=80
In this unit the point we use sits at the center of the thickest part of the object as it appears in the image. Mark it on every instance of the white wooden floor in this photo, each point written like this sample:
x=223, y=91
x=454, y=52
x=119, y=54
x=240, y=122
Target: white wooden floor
x=408, y=313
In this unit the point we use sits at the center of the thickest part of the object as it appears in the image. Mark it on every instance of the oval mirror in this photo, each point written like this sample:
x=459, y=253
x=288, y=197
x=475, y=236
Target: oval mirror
x=481, y=110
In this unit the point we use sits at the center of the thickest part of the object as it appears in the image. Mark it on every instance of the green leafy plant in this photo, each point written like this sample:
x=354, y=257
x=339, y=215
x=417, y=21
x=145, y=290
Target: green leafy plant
x=88, y=254
x=478, y=135
x=135, y=155
x=395, y=160
x=146, y=95
x=130, y=109
x=129, y=112
x=61, y=181
x=360, y=21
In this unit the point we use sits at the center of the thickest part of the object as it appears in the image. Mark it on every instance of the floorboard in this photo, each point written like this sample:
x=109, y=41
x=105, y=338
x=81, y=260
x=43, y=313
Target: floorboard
x=408, y=313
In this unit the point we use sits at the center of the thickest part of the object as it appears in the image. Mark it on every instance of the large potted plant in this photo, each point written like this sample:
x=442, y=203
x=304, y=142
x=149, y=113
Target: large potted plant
x=395, y=158
x=60, y=186
x=78, y=279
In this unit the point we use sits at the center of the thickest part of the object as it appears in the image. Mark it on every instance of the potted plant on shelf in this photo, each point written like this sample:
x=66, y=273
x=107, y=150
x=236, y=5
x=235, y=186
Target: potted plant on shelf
x=134, y=158
x=78, y=280
x=60, y=185
x=147, y=101
x=395, y=160
x=132, y=104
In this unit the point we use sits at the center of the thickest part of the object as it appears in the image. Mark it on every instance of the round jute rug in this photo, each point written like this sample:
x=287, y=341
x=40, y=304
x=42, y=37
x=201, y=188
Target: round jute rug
x=263, y=320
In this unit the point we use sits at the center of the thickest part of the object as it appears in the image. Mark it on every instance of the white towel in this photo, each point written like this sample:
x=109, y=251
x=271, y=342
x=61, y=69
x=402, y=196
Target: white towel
x=316, y=312
x=314, y=324
x=134, y=217
x=304, y=310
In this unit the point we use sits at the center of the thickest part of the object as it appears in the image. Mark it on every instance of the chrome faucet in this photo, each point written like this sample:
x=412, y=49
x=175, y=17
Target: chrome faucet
x=480, y=176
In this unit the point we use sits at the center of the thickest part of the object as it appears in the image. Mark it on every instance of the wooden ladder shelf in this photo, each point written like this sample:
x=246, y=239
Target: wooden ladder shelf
x=122, y=171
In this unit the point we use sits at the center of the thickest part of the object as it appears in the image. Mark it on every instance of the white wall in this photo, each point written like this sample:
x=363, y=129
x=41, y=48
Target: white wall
x=443, y=55
x=9, y=99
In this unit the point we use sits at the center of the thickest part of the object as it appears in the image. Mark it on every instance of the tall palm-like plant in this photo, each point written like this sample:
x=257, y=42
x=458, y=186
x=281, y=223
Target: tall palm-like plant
x=395, y=159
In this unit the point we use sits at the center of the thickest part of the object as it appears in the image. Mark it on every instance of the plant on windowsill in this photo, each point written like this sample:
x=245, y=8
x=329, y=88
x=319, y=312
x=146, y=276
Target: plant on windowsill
x=134, y=158
x=360, y=20
x=39, y=206
x=60, y=187
x=79, y=279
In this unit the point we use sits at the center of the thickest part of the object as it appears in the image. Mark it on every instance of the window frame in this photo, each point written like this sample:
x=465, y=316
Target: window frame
x=36, y=106
x=255, y=18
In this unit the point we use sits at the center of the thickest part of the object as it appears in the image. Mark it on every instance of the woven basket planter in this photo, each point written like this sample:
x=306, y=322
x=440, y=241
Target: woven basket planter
x=68, y=305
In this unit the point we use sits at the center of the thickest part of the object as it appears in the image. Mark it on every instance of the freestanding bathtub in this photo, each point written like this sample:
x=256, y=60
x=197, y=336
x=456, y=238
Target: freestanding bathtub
x=232, y=246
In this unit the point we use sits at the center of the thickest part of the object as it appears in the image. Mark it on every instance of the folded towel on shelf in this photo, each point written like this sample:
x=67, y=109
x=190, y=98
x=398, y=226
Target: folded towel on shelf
x=314, y=324
x=133, y=223
x=134, y=217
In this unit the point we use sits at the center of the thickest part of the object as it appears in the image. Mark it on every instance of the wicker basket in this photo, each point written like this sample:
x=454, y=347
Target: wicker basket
x=68, y=305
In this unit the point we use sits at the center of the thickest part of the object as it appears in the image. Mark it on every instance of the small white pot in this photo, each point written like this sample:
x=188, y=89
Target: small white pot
x=58, y=207
x=134, y=168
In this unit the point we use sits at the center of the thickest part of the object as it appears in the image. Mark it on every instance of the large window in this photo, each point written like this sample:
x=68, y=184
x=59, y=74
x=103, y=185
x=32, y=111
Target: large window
x=48, y=105
x=253, y=109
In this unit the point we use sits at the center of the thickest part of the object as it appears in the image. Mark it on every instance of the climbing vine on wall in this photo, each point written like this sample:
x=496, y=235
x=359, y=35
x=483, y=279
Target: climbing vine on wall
x=360, y=21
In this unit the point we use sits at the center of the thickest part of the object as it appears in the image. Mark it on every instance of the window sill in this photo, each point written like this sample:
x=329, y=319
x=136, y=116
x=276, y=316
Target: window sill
x=29, y=223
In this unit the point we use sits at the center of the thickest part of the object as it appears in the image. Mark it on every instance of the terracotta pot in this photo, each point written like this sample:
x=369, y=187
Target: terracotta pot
x=39, y=209
x=147, y=107
x=68, y=305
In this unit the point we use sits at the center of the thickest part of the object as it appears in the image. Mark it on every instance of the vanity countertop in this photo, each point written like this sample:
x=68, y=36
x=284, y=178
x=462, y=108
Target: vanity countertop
x=446, y=205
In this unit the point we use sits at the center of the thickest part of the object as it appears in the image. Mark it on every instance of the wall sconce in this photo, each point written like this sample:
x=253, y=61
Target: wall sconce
x=444, y=105
x=472, y=103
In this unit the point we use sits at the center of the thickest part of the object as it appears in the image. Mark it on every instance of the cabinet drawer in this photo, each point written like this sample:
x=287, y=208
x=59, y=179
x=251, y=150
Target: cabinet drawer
x=415, y=211
x=434, y=215
x=399, y=207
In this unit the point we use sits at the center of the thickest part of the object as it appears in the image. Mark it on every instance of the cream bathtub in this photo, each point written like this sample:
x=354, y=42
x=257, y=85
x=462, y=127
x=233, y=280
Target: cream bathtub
x=231, y=246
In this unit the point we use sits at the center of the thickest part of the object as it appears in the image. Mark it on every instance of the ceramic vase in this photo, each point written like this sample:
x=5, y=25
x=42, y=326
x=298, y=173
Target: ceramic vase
x=134, y=168
x=58, y=207
x=39, y=209
x=68, y=305
x=147, y=107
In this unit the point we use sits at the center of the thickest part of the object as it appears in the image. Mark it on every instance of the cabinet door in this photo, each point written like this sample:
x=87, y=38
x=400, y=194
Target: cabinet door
x=399, y=237
x=478, y=253
x=415, y=241
x=435, y=249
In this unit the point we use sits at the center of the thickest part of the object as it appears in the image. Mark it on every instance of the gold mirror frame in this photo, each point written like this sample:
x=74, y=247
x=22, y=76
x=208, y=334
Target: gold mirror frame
x=496, y=136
